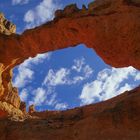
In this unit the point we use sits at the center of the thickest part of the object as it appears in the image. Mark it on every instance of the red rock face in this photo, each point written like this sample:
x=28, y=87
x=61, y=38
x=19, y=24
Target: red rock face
x=118, y=118
x=12, y=97
x=111, y=28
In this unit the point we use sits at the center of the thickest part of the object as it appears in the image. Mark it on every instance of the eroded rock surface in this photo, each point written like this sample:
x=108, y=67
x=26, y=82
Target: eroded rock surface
x=111, y=28
x=6, y=27
x=115, y=119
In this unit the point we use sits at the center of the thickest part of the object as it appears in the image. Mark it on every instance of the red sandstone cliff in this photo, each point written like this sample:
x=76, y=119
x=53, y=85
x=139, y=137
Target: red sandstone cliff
x=115, y=119
x=112, y=29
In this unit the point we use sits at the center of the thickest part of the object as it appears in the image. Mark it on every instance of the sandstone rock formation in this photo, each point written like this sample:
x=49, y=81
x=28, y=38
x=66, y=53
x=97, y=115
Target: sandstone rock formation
x=23, y=107
x=6, y=27
x=115, y=119
x=31, y=109
x=111, y=28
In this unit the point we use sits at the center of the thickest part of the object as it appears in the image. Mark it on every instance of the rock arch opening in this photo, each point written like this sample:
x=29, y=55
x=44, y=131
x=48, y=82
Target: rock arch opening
x=70, y=78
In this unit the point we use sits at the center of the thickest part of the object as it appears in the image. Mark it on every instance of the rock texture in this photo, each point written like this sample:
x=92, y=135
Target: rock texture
x=112, y=29
x=6, y=27
x=12, y=97
x=118, y=118
x=31, y=109
x=112, y=25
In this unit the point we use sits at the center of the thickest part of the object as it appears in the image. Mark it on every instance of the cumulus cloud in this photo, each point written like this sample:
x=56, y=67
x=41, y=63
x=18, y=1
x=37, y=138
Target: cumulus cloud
x=45, y=97
x=25, y=74
x=52, y=99
x=109, y=83
x=87, y=70
x=57, y=78
x=63, y=76
x=126, y=87
x=39, y=58
x=15, y=2
x=81, y=66
x=137, y=77
x=40, y=96
x=61, y=106
x=41, y=13
x=78, y=64
x=23, y=95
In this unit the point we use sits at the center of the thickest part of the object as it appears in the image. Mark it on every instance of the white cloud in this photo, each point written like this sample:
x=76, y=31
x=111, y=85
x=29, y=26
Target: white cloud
x=41, y=13
x=63, y=76
x=56, y=78
x=78, y=64
x=43, y=97
x=61, y=106
x=75, y=80
x=90, y=92
x=137, y=77
x=24, y=76
x=15, y=2
x=46, y=97
x=108, y=84
x=87, y=71
x=40, y=96
x=52, y=101
x=126, y=87
x=25, y=73
x=39, y=58
x=23, y=95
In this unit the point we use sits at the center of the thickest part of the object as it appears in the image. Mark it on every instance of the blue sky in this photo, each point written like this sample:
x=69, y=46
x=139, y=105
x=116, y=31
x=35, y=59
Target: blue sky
x=65, y=78
x=16, y=10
